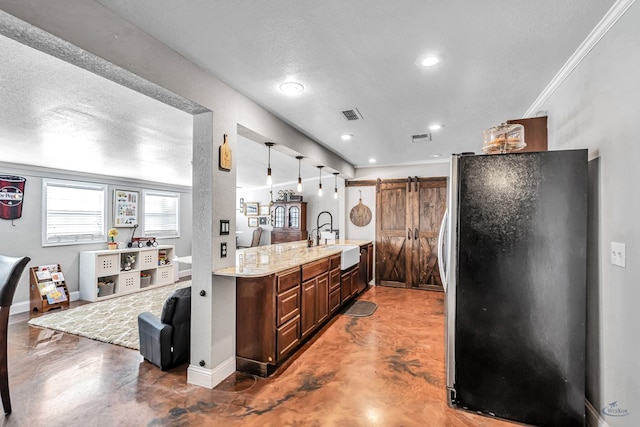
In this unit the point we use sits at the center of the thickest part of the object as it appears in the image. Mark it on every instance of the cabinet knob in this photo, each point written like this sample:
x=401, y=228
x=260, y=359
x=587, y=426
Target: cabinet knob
x=201, y=363
x=203, y=293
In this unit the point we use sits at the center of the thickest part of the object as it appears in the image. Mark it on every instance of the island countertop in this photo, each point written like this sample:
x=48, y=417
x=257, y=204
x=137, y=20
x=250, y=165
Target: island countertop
x=269, y=259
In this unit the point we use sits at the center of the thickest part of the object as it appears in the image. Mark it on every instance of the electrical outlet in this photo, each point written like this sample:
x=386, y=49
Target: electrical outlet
x=618, y=256
x=223, y=250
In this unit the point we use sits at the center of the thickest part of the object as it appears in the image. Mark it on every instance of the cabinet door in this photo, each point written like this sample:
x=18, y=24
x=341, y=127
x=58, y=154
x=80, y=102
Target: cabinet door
x=345, y=286
x=278, y=217
x=322, y=301
x=308, y=319
x=294, y=217
x=355, y=280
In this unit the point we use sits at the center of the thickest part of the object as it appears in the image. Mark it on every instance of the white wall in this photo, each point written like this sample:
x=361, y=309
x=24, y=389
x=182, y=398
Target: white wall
x=315, y=205
x=24, y=236
x=430, y=169
x=598, y=107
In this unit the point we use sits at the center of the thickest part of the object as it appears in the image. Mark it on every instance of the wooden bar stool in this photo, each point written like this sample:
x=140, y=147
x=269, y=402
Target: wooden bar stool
x=10, y=272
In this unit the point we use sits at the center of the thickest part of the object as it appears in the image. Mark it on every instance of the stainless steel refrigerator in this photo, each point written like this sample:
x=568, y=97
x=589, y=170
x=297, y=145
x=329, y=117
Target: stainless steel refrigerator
x=513, y=253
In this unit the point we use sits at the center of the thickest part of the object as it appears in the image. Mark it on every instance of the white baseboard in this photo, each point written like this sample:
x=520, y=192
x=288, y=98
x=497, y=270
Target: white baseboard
x=593, y=418
x=209, y=378
x=184, y=273
x=25, y=306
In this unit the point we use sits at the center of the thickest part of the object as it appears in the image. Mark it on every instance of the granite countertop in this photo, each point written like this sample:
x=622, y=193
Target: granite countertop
x=265, y=260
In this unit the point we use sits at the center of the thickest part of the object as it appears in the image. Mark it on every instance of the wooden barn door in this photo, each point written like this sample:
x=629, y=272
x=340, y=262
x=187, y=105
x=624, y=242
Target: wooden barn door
x=392, y=215
x=429, y=203
x=408, y=218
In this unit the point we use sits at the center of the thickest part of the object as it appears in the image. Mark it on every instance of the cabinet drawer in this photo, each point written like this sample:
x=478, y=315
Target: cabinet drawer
x=334, y=300
x=288, y=337
x=334, y=261
x=334, y=279
x=288, y=305
x=288, y=279
x=311, y=270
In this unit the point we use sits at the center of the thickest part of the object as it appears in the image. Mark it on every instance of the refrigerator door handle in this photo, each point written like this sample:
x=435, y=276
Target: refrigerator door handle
x=442, y=251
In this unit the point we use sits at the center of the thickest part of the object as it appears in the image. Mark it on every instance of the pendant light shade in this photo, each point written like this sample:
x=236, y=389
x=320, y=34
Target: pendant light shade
x=269, y=179
x=320, y=181
x=335, y=190
x=299, y=177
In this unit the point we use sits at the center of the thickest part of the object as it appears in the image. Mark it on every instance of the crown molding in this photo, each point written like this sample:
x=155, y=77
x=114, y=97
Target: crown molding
x=603, y=27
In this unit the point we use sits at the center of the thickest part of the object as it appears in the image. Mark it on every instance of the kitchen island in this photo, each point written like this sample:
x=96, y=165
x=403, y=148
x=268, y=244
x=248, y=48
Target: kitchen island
x=286, y=292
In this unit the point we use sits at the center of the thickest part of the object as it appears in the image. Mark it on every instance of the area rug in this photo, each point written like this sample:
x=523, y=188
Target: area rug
x=113, y=321
x=361, y=309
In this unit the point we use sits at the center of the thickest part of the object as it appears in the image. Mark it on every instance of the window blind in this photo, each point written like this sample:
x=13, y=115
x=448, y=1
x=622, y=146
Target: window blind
x=74, y=212
x=161, y=214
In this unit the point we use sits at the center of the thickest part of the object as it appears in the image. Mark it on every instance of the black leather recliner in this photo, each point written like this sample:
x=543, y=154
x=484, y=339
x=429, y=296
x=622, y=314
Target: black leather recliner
x=165, y=342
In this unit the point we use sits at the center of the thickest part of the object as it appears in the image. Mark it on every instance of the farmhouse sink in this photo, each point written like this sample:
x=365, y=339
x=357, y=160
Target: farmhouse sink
x=349, y=256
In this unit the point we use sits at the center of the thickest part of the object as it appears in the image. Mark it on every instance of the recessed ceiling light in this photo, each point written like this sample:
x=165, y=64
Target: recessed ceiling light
x=291, y=88
x=436, y=155
x=435, y=126
x=346, y=137
x=428, y=60
x=372, y=160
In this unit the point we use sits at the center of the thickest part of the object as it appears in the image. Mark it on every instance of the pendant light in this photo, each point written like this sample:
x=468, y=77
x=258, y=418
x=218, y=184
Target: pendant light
x=320, y=181
x=299, y=177
x=335, y=190
x=269, y=179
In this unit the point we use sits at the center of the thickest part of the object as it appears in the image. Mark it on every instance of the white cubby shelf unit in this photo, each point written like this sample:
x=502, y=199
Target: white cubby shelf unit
x=105, y=274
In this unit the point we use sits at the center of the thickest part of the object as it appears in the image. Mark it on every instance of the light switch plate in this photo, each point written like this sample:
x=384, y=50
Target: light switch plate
x=618, y=256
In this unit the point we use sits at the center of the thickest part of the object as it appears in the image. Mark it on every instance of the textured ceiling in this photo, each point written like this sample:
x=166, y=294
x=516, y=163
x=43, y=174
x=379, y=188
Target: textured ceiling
x=498, y=56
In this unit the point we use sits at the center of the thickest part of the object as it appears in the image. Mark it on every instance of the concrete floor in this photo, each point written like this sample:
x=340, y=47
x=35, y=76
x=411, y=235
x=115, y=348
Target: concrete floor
x=383, y=370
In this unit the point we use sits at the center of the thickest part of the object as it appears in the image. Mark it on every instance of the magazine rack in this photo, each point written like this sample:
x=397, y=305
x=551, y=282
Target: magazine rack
x=39, y=301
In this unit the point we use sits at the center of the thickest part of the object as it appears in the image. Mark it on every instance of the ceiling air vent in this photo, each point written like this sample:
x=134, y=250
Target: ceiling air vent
x=352, y=114
x=417, y=139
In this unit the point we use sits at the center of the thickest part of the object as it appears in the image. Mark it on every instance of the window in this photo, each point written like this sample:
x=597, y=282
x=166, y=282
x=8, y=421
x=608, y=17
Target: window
x=73, y=212
x=161, y=214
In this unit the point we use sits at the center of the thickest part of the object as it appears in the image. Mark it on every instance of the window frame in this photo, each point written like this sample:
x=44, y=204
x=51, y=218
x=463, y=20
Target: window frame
x=47, y=182
x=156, y=234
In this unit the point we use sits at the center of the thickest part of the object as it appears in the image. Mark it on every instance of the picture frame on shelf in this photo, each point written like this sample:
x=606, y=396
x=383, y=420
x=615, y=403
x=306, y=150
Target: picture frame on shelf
x=253, y=221
x=251, y=208
x=125, y=208
x=264, y=210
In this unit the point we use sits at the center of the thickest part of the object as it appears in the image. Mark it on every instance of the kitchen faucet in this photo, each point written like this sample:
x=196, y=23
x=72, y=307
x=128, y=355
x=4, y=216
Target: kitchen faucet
x=319, y=227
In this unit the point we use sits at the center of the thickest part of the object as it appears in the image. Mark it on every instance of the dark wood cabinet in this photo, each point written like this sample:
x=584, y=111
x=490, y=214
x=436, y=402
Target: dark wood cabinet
x=366, y=266
x=535, y=133
x=315, y=295
x=289, y=222
x=349, y=283
x=309, y=296
x=267, y=320
x=334, y=284
x=277, y=313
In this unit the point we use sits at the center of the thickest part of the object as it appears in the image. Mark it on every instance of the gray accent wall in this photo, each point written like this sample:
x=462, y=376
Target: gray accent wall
x=23, y=236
